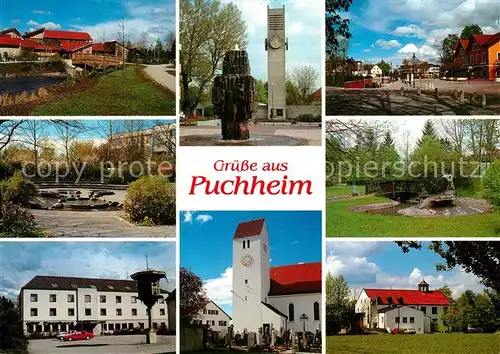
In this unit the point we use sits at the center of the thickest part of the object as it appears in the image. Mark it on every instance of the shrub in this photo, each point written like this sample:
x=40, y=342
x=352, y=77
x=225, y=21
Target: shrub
x=151, y=199
x=18, y=189
x=56, y=64
x=16, y=221
x=12, y=338
x=492, y=183
x=209, y=111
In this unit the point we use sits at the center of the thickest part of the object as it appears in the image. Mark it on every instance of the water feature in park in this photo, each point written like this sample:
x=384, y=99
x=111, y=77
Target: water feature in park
x=74, y=200
x=26, y=84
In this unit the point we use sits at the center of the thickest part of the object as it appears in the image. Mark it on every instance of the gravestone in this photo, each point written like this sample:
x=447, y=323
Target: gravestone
x=252, y=340
x=234, y=95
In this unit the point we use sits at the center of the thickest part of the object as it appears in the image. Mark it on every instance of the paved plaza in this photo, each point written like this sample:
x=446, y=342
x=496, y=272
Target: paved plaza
x=308, y=131
x=388, y=100
x=95, y=224
x=123, y=344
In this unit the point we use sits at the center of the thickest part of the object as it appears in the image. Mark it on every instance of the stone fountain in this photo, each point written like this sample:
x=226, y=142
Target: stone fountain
x=148, y=285
x=234, y=95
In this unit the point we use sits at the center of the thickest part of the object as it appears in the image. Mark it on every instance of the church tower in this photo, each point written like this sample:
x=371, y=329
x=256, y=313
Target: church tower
x=276, y=45
x=251, y=274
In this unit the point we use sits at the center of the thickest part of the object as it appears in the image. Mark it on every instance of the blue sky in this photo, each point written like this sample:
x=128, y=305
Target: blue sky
x=304, y=28
x=155, y=18
x=206, y=244
x=395, y=29
x=21, y=261
x=383, y=265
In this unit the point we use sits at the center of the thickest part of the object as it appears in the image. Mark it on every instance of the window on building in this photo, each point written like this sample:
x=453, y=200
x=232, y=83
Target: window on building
x=88, y=312
x=279, y=113
x=434, y=310
x=111, y=326
x=498, y=56
x=424, y=309
x=34, y=312
x=400, y=300
x=118, y=299
x=390, y=301
x=412, y=319
x=162, y=312
x=117, y=326
x=204, y=311
x=291, y=315
x=118, y=312
x=71, y=312
x=397, y=320
x=88, y=298
x=130, y=326
x=477, y=58
x=104, y=326
x=223, y=323
x=316, y=311
x=103, y=312
x=102, y=299
x=133, y=300
x=246, y=281
x=52, y=298
x=161, y=300
x=248, y=244
x=71, y=298
x=155, y=325
x=244, y=244
x=471, y=59
x=34, y=298
x=405, y=319
x=52, y=312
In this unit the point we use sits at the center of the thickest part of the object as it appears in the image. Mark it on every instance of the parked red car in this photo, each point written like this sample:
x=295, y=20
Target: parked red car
x=78, y=335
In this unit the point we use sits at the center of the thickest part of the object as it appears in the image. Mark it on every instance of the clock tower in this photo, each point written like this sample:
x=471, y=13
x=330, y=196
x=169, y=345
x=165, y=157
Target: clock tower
x=251, y=274
x=276, y=45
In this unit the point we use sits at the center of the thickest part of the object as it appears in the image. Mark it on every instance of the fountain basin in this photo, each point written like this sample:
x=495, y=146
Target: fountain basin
x=73, y=200
x=254, y=140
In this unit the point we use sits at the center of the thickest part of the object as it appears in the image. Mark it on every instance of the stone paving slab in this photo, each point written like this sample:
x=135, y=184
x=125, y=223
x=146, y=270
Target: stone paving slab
x=95, y=224
x=123, y=344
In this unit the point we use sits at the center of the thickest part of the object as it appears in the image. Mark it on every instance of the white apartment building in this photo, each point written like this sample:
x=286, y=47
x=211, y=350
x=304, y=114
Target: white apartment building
x=51, y=304
x=215, y=317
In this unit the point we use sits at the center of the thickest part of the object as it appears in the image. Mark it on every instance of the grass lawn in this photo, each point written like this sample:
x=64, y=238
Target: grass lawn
x=455, y=343
x=339, y=190
x=342, y=222
x=114, y=94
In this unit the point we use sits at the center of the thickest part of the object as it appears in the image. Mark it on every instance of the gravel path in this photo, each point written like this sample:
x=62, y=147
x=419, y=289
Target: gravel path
x=159, y=74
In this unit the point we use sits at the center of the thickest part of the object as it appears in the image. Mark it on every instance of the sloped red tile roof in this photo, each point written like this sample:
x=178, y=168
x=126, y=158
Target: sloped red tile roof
x=8, y=30
x=486, y=39
x=296, y=279
x=465, y=43
x=72, y=46
x=99, y=47
x=28, y=43
x=8, y=41
x=51, y=48
x=410, y=297
x=70, y=35
x=249, y=228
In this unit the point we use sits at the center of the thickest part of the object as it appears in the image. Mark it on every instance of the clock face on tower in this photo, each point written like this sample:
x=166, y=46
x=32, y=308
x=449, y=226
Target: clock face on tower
x=246, y=260
x=275, y=42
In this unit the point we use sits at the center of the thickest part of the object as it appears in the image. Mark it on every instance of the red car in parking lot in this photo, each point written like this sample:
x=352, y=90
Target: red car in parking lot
x=79, y=335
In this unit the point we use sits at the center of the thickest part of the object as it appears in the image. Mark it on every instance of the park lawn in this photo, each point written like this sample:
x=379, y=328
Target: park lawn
x=436, y=343
x=340, y=190
x=114, y=94
x=340, y=222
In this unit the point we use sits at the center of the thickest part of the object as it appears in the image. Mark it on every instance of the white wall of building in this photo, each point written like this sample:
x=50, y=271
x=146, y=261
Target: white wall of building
x=376, y=71
x=409, y=318
x=303, y=304
x=276, y=321
x=213, y=316
x=89, y=299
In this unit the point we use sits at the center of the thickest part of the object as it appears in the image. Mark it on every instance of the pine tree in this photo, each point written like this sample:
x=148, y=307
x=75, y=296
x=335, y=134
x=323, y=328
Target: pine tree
x=428, y=131
x=388, y=141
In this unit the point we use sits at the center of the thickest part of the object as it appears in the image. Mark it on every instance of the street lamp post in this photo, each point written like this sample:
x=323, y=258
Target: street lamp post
x=304, y=319
x=413, y=59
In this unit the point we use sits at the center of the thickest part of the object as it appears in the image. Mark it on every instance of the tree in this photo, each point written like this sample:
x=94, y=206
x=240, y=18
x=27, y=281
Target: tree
x=385, y=67
x=170, y=40
x=455, y=131
x=192, y=299
x=261, y=89
x=143, y=41
x=304, y=80
x=338, y=304
x=7, y=129
x=35, y=136
x=207, y=30
x=68, y=132
x=476, y=257
x=123, y=37
x=470, y=30
x=164, y=136
x=445, y=48
x=427, y=131
x=335, y=25
x=447, y=292
x=12, y=338
x=292, y=94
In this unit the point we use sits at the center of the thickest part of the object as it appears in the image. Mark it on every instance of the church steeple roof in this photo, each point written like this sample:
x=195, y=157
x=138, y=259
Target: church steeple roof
x=249, y=228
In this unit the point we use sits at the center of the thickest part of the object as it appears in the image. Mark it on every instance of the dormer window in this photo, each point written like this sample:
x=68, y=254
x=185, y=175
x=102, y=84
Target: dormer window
x=390, y=301
x=110, y=287
x=93, y=286
x=54, y=285
x=244, y=244
x=400, y=300
x=74, y=286
x=379, y=300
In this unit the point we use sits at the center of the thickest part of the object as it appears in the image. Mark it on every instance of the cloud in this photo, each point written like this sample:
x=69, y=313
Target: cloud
x=424, y=52
x=40, y=12
x=220, y=289
x=203, y=218
x=391, y=44
x=188, y=217
x=409, y=31
x=15, y=21
x=367, y=50
x=49, y=25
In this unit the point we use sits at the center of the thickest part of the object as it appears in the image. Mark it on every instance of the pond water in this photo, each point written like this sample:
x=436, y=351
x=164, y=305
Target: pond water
x=28, y=84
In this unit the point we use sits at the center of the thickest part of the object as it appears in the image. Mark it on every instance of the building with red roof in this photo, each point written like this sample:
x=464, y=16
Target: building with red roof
x=282, y=297
x=417, y=309
x=478, y=57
